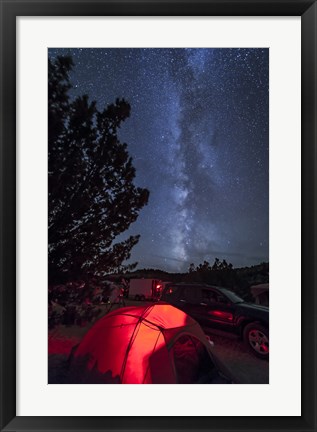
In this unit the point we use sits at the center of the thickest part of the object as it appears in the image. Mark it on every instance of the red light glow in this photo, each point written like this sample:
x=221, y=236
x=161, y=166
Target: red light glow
x=221, y=314
x=132, y=344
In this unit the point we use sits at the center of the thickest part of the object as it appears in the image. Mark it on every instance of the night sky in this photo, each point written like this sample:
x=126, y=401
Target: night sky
x=199, y=137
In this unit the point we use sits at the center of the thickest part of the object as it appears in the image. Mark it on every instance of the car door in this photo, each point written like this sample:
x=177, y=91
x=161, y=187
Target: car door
x=215, y=309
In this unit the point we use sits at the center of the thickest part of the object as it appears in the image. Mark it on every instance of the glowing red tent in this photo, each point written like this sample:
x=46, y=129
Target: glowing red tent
x=156, y=344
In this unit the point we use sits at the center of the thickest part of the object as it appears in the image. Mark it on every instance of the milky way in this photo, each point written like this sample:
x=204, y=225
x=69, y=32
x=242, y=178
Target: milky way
x=199, y=138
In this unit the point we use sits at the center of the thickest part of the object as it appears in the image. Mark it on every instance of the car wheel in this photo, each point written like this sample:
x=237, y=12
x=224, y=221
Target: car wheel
x=137, y=298
x=257, y=339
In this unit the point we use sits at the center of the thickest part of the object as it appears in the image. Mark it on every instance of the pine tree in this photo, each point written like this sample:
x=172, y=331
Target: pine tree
x=91, y=195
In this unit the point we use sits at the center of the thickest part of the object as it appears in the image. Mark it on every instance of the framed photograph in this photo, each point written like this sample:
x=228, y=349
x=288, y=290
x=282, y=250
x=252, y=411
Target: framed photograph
x=158, y=215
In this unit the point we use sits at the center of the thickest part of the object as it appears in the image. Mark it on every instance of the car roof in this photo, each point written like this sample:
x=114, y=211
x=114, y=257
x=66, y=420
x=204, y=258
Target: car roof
x=180, y=284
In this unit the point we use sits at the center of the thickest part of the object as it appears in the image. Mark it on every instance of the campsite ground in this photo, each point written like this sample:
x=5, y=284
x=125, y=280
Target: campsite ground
x=247, y=368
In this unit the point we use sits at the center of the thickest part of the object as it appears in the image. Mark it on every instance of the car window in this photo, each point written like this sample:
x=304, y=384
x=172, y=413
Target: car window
x=192, y=362
x=210, y=296
x=190, y=294
x=232, y=296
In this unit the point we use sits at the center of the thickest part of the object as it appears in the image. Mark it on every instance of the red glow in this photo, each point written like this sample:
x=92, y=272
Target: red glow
x=132, y=343
x=221, y=314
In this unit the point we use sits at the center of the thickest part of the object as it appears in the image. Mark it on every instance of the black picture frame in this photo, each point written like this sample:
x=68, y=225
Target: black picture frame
x=10, y=9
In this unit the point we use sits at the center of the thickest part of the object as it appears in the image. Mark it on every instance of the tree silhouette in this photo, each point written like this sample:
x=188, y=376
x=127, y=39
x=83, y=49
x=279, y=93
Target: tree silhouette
x=191, y=268
x=91, y=195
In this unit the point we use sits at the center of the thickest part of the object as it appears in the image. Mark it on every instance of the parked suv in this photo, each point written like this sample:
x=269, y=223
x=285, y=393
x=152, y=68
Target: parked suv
x=222, y=309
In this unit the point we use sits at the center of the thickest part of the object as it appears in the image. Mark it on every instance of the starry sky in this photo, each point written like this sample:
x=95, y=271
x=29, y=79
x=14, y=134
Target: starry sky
x=199, y=137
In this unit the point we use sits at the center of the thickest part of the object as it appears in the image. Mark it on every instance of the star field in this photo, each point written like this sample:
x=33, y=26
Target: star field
x=199, y=137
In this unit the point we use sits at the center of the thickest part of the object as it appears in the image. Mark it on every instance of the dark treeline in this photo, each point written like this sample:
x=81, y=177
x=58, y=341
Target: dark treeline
x=220, y=273
x=77, y=302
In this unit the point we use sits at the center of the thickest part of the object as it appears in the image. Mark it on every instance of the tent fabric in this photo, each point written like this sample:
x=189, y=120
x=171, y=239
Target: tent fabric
x=261, y=294
x=132, y=345
x=259, y=289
